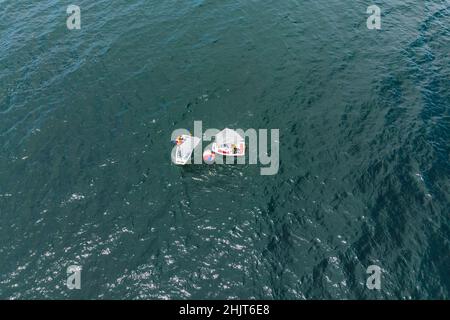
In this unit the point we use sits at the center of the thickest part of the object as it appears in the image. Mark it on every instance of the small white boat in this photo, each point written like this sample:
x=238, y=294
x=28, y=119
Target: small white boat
x=184, y=150
x=229, y=143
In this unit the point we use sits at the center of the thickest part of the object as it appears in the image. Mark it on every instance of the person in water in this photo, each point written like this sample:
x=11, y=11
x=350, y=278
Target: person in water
x=179, y=140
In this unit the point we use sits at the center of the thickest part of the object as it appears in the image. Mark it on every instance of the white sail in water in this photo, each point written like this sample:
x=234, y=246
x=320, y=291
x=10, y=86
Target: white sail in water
x=184, y=151
x=229, y=143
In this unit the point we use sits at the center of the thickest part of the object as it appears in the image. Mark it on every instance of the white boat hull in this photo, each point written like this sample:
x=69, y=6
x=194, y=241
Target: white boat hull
x=228, y=151
x=183, y=152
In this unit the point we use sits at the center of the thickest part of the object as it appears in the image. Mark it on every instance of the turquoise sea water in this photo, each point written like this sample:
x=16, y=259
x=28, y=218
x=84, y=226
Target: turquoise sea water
x=85, y=172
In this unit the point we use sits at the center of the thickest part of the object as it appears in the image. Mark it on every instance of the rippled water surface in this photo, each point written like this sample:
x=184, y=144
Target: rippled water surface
x=85, y=172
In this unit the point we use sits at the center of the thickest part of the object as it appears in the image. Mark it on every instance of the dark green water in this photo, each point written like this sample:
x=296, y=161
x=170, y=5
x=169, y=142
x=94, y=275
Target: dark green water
x=85, y=172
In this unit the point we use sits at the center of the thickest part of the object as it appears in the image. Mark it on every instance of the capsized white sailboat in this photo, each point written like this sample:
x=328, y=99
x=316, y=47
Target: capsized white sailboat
x=184, y=150
x=229, y=143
